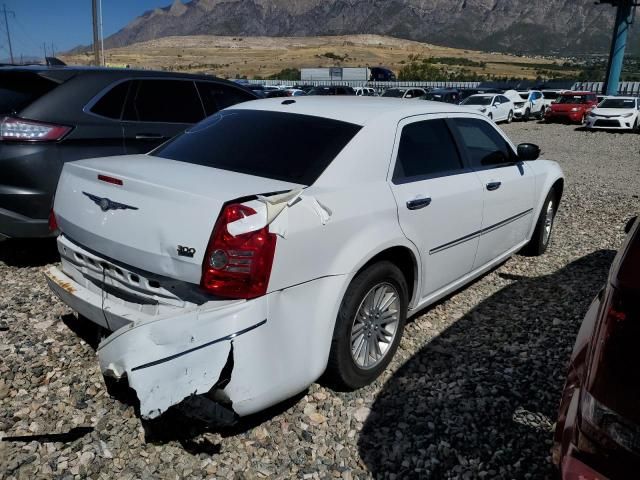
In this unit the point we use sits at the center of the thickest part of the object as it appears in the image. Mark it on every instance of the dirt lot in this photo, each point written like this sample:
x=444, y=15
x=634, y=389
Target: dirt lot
x=472, y=393
x=264, y=56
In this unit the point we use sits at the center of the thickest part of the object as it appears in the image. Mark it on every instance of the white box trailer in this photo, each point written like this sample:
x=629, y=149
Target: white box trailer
x=352, y=74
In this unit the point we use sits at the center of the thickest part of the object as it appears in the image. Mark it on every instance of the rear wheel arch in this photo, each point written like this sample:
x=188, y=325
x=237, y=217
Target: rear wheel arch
x=403, y=258
x=558, y=187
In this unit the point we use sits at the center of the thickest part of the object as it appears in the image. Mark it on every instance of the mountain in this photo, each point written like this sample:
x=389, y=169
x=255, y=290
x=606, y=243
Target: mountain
x=520, y=26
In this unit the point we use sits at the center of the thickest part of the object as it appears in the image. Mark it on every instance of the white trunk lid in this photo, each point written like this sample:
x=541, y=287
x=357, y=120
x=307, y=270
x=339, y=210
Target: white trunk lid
x=161, y=205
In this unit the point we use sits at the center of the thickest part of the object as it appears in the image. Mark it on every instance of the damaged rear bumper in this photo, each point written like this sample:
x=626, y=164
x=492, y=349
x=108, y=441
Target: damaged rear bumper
x=275, y=345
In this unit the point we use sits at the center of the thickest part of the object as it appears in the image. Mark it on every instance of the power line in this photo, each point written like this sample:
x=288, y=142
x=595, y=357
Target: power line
x=6, y=23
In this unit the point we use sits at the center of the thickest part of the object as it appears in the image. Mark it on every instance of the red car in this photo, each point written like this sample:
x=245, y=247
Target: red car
x=571, y=106
x=598, y=430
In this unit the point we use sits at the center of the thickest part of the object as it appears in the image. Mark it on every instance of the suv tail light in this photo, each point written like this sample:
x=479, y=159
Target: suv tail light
x=20, y=130
x=53, y=222
x=240, y=266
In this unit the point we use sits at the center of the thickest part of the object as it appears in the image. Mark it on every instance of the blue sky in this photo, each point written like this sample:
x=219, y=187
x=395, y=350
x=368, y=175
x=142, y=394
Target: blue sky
x=66, y=23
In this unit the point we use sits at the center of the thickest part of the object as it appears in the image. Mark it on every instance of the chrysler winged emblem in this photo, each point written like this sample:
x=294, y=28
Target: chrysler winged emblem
x=106, y=204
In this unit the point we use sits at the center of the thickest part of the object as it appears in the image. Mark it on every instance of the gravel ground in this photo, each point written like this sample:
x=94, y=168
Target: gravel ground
x=472, y=392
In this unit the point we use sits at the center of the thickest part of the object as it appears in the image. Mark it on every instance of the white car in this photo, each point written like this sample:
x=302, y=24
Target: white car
x=233, y=270
x=365, y=92
x=527, y=104
x=620, y=113
x=404, y=92
x=497, y=107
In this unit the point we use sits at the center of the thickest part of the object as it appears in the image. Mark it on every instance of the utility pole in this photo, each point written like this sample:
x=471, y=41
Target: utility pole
x=96, y=37
x=6, y=23
x=104, y=60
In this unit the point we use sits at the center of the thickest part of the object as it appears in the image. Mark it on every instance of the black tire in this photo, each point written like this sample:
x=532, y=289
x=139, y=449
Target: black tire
x=510, y=117
x=343, y=372
x=527, y=115
x=539, y=240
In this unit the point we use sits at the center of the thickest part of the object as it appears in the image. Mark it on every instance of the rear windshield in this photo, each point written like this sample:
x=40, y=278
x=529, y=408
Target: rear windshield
x=394, y=92
x=477, y=100
x=550, y=95
x=19, y=89
x=572, y=99
x=281, y=146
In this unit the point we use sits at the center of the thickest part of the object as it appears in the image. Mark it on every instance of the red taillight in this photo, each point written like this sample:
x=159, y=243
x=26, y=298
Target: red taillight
x=240, y=266
x=20, y=130
x=613, y=378
x=53, y=222
x=112, y=180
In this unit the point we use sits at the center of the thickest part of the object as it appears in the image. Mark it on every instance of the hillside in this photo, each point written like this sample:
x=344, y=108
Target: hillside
x=265, y=56
x=518, y=26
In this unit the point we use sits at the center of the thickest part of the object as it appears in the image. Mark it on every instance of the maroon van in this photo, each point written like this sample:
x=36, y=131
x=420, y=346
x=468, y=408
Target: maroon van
x=598, y=431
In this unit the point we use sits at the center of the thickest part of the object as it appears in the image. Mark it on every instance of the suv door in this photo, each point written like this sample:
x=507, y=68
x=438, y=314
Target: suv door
x=508, y=185
x=157, y=110
x=439, y=201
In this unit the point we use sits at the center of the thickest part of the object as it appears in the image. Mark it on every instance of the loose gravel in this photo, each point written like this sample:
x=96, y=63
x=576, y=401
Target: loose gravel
x=472, y=392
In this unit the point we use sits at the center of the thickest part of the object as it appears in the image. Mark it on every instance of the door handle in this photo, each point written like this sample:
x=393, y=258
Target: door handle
x=149, y=136
x=418, y=203
x=493, y=186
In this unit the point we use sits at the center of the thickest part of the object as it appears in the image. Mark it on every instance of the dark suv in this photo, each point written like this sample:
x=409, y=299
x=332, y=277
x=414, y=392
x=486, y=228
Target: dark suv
x=53, y=115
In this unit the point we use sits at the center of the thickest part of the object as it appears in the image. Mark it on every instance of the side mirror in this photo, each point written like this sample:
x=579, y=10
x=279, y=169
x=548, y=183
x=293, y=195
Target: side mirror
x=629, y=225
x=528, y=152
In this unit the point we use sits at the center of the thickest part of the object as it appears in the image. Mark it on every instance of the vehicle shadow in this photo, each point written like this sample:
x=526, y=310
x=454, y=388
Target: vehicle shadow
x=480, y=400
x=32, y=252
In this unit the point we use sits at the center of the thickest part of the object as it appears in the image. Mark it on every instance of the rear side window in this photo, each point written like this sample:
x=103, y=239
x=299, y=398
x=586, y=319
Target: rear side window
x=216, y=96
x=111, y=103
x=168, y=101
x=281, y=146
x=19, y=89
x=484, y=145
x=426, y=149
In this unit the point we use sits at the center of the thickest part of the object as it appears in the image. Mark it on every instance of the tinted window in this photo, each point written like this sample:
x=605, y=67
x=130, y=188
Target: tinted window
x=171, y=101
x=574, y=99
x=484, y=145
x=217, y=96
x=426, y=149
x=504, y=99
x=281, y=146
x=112, y=102
x=19, y=89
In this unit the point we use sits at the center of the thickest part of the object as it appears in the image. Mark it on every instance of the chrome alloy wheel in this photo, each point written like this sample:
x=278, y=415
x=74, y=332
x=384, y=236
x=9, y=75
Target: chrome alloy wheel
x=548, y=222
x=375, y=325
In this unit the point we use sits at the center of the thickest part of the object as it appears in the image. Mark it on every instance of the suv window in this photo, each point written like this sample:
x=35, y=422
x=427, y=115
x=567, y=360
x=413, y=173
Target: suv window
x=251, y=142
x=427, y=149
x=19, y=89
x=217, y=96
x=169, y=101
x=112, y=103
x=484, y=145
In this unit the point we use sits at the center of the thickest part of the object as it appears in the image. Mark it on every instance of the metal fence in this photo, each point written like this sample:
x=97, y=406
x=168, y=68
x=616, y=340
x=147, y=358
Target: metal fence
x=625, y=88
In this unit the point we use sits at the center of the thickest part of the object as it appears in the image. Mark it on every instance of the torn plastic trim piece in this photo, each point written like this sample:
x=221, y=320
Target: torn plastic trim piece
x=267, y=211
x=208, y=344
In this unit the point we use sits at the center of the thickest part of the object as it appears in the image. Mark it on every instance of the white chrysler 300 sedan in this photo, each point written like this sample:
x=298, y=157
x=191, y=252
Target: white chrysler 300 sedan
x=278, y=240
